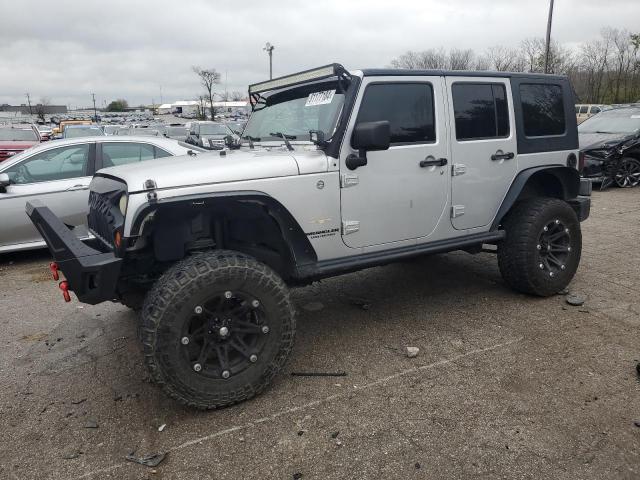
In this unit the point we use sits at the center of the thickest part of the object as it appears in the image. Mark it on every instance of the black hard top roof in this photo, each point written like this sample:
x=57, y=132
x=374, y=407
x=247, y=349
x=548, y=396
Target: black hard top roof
x=399, y=72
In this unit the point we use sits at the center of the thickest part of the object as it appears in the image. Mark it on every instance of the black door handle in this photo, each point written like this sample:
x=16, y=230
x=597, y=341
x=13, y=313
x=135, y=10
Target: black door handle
x=502, y=156
x=431, y=161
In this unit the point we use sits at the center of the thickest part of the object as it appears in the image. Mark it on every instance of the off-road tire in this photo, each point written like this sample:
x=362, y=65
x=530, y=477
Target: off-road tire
x=171, y=302
x=518, y=254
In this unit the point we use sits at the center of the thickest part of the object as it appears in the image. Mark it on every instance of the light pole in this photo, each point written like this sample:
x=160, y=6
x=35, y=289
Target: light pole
x=548, y=44
x=269, y=49
x=95, y=112
x=29, y=101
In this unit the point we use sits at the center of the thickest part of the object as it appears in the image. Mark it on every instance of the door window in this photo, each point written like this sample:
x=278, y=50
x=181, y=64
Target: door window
x=55, y=164
x=542, y=109
x=407, y=106
x=121, y=153
x=481, y=110
x=583, y=109
x=595, y=110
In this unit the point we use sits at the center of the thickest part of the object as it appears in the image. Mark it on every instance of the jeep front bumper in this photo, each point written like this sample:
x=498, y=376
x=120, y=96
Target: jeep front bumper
x=91, y=274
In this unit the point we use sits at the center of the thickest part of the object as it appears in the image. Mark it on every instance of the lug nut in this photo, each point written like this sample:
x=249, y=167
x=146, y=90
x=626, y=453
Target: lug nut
x=557, y=222
x=562, y=267
x=541, y=266
x=566, y=230
x=265, y=329
x=197, y=367
x=224, y=331
x=551, y=274
x=228, y=294
x=546, y=229
x=253, y=358
x=184, y=340
x=255, y=304
x=226, y=374
x=539, y=247
x=198, y=309
x=568, y=249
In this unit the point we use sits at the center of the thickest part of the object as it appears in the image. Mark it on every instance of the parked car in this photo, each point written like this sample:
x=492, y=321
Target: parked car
x=58, y=173
x=17, y=138
x=77, y=131
x=610, y=147
x=58, y=131
x=112, y=129
x=177, y=132
x=338, y=171
x=584, y=111
x=236, y=127
x=209, y=135
x=45, y=131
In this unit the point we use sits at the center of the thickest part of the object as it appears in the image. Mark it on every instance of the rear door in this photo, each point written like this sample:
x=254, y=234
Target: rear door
x=59, y=178
x=113, y=154
x=483, y=148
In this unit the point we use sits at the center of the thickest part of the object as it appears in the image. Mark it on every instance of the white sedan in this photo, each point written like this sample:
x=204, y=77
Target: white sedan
x=58, y=174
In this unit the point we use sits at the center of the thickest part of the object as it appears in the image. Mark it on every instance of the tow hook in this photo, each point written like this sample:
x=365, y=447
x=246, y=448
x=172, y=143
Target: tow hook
x=64, y=286
x=53, y=266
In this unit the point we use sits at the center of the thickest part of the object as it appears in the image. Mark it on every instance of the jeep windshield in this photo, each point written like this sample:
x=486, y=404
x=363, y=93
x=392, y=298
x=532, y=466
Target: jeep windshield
x=296, y=111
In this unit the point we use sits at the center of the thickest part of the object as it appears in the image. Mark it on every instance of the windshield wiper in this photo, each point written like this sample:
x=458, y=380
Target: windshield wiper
x=286, y=139
x=251, y=140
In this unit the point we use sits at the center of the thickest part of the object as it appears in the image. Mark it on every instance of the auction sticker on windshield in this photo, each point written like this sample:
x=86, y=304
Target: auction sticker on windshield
x=320, y=98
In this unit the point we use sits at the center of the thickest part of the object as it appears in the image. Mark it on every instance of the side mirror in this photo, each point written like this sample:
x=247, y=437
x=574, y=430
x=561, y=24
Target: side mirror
x=5, y=181
x=368, y=136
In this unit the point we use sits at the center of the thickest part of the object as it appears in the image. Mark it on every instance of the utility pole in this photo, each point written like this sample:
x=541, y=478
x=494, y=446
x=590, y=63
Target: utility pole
x=95, y=112
x=29, y=102
x=161, y=101
x=548, y=45
x=269, y=49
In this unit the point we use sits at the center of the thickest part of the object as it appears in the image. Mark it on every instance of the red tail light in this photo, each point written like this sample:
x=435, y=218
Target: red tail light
x=581, y=161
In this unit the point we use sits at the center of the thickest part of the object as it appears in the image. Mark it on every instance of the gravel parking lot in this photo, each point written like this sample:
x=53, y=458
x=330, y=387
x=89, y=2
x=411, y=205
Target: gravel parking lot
x=505, y=385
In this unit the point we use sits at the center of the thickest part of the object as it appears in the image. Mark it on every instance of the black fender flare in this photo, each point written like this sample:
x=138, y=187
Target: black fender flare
x=302, y=252
x=568, y=177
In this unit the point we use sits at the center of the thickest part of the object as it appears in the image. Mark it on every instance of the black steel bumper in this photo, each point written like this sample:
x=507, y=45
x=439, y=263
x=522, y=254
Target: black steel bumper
x=582, y=203
x=92, y=275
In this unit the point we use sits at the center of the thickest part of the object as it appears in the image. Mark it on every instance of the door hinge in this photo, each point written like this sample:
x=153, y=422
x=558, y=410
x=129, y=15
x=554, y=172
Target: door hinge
x=350, y=226
x=348, y=180
x=458, y=169
x=457, y=211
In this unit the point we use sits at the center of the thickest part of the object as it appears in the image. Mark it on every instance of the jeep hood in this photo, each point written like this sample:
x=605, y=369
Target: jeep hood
x=233, y=166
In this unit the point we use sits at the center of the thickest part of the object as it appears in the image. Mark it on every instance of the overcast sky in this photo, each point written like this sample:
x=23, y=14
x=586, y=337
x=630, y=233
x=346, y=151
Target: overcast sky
x=65, y=49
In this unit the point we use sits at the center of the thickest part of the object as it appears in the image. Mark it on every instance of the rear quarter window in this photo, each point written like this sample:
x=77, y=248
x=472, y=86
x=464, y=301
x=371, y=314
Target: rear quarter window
x=542, y=109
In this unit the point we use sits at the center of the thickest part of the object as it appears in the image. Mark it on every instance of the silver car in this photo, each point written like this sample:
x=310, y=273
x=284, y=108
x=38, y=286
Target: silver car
x=58, y=174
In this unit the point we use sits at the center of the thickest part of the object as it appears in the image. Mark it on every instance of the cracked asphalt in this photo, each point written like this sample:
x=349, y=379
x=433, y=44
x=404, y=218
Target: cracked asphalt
x=505, y=385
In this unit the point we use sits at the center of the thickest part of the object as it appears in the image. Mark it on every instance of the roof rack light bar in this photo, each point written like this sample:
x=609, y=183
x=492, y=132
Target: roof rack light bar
x=331, y=70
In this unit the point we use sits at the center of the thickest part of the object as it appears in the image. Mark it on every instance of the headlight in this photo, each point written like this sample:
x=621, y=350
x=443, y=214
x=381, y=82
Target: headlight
x=123, y=203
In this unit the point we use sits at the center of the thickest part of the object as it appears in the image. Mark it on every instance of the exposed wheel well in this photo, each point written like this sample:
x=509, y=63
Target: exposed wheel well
x=548, y=181
x=256, y=225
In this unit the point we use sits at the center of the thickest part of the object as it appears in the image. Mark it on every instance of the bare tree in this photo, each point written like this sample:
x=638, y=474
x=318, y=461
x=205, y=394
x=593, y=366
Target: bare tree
x=201, y=108
x=41, y=108
x=208, y=79
x=461, y=59
x=424, y=60
x=237, y=96
x=503, y=59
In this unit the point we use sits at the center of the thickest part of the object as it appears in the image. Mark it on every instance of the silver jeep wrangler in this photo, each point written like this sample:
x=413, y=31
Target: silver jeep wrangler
x=336, y=171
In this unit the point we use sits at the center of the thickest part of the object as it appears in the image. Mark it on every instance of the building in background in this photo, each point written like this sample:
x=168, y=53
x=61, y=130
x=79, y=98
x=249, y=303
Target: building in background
x=24, y=109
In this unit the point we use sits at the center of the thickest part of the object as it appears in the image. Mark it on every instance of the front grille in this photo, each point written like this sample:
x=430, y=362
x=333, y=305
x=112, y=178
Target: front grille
x=102, y=219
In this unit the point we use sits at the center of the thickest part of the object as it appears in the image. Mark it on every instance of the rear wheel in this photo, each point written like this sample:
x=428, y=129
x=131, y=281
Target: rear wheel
x=628, y=174
x=217, y=327
x=541, y=252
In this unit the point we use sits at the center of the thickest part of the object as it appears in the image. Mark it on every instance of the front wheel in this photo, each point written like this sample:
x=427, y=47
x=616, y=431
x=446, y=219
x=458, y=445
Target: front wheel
x=217, y=327
x=541, y=252
x=628, y=174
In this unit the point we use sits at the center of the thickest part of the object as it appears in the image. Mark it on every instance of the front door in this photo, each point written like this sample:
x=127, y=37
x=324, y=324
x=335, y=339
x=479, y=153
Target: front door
x=483, y=148
x=401, y=193
x=59, y=178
